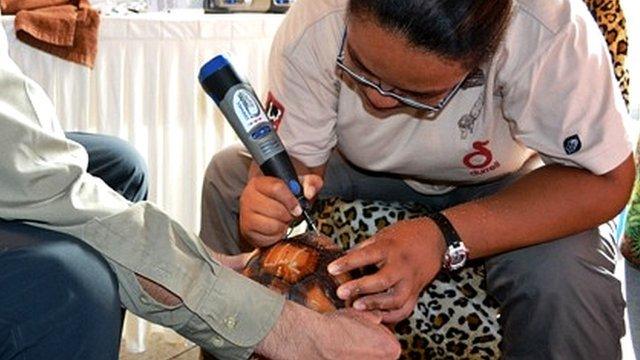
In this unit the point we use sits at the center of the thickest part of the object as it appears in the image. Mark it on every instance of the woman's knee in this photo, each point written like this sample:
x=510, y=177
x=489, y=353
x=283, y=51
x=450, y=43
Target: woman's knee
x=228, y=170
x=550, y=290
x=575, y=267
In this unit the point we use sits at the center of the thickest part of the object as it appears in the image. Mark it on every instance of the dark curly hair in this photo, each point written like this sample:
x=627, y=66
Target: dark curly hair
x=467, y=31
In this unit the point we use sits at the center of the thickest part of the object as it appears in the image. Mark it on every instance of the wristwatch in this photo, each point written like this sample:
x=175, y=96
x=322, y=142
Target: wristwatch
x=456, y=253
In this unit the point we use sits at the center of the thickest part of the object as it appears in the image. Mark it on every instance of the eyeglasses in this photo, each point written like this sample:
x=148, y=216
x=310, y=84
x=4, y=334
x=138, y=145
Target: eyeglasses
x=377, y=85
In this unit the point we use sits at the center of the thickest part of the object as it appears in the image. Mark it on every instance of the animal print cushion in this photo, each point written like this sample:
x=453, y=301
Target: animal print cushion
x=454, y=317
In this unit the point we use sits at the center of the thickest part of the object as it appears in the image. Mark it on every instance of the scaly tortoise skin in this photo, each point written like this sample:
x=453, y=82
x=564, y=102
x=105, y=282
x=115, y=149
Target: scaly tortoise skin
x=297, y=268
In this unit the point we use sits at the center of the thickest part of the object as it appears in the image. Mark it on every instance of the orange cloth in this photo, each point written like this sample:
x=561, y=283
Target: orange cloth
x=64, y=28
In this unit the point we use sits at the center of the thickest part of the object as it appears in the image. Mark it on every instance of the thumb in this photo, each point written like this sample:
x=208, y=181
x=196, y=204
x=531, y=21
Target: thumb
x=311, y=185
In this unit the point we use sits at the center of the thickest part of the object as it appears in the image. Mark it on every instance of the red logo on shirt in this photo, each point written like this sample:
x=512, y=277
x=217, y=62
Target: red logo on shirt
x=275, y=110
x=480, y=161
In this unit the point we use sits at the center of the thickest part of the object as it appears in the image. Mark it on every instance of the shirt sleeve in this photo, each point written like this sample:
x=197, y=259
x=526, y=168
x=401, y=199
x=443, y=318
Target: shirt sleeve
x=565, y=103
x=302, y=79
x=43, y=181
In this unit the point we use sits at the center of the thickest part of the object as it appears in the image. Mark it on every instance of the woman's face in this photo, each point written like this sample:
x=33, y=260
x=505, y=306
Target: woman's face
x=390, y=60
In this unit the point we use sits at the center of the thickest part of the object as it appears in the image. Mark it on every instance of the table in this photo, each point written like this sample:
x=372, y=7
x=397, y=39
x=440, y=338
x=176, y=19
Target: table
x=144, y=89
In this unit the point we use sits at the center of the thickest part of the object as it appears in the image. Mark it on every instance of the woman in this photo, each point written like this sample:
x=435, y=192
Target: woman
x=503, y=117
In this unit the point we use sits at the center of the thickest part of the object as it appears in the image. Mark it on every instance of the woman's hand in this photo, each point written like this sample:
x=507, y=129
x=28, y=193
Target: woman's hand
x=267, y=206
x=408, y=255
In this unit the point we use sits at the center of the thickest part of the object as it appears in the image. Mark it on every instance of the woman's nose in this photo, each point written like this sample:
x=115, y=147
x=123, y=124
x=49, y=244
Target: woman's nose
x=380, y=101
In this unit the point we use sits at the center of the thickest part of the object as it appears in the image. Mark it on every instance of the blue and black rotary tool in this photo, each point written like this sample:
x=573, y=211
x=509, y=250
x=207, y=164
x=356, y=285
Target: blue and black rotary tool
x=240, y=105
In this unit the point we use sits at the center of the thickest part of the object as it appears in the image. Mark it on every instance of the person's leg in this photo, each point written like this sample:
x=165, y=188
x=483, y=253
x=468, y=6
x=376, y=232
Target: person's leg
x=59, y=297
x=224, y=180
x=560, y=300
x=116, y=162
x=348, y=182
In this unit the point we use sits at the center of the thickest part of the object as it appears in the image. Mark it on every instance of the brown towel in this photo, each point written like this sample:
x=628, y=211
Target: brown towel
x=64, y=28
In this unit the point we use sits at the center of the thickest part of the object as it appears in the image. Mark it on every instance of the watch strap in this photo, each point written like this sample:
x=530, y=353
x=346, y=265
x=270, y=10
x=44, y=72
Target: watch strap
x=451, y=237
x=456, y=253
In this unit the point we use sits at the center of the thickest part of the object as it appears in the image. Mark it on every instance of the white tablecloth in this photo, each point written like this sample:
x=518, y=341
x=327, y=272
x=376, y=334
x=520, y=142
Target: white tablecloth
x=144, y=89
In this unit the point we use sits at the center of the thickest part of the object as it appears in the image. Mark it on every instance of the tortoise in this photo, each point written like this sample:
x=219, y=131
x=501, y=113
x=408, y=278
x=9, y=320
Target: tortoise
x=297, y=268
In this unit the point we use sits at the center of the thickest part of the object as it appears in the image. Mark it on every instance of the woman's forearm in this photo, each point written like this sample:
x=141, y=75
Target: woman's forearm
x=546, y=204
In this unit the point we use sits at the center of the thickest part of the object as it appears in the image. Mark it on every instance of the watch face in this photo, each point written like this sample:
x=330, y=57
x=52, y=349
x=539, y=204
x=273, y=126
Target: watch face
x=456, y=257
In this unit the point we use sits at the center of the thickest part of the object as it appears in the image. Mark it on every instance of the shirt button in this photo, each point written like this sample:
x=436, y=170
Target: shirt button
x=230, y=322
x=217, y=341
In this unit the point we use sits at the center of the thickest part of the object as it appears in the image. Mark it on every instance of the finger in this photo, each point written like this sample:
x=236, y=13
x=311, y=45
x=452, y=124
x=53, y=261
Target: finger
x=276, y=189
x=257, y=236
x=264, y=225
x=311, y=184
x=392, y=299
x=398, y=315
x=357, y=258
x=263, y=205
x=378, y=282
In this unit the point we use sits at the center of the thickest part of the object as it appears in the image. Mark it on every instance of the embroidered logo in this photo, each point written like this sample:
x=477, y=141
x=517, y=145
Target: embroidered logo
x=480, y=161
x=572, y=144
x=275, y=110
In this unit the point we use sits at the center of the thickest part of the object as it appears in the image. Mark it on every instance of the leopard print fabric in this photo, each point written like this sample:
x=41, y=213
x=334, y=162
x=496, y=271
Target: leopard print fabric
x=454, y=317
x=610, y=18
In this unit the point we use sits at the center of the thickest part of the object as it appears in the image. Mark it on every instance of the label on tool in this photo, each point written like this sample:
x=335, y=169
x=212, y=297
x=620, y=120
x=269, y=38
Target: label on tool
x=248, y=109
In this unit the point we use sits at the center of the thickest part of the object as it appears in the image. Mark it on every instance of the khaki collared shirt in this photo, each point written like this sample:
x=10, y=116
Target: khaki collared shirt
x=44, y=182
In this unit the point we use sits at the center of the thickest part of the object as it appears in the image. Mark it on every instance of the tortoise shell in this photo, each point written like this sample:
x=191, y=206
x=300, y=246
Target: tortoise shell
x=297, y=268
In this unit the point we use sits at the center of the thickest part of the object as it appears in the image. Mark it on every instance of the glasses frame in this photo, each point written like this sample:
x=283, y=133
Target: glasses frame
x=378, y=87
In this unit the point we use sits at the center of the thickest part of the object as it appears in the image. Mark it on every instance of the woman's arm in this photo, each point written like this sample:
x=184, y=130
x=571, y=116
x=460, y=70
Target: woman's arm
x=549, y=203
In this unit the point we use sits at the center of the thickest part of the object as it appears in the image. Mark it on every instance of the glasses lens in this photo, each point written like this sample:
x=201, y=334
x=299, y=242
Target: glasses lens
x=362, y=77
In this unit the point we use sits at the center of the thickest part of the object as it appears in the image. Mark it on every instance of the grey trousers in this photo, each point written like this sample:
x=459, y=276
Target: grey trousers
x=559, y=300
